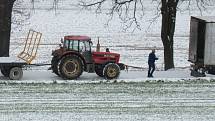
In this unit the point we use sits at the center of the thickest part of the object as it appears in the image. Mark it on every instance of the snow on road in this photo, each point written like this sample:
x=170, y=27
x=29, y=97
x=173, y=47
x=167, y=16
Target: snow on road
x=32, y=75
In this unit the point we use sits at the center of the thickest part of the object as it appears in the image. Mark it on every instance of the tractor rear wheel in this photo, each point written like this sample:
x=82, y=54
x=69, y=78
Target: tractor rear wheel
x=99, y=70
x=71, y=67
x=5, y=71
x=111, y=71
x=54, y=65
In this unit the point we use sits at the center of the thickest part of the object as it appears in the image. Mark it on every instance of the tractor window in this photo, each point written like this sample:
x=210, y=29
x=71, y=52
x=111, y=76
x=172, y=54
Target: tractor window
x=87, y=46
x=75, y=45
x=82, y=46
x=71, y=45
x=66, y=43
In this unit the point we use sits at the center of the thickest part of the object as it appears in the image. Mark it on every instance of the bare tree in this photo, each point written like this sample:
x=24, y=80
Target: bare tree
x=7, y=7
x=127, y=11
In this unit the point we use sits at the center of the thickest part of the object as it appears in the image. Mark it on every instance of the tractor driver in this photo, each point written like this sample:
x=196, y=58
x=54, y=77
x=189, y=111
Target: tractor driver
x=107, y=50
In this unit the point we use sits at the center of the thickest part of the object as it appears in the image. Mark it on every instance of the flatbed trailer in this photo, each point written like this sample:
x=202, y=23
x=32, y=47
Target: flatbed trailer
x=12, y=67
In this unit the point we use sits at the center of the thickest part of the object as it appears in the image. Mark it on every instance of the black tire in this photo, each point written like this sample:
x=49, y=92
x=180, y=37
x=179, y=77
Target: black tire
x=111, y=71
x=5, y=71
x=54, y=65
x=71, y=67
x=99, y=70
x=16, y=73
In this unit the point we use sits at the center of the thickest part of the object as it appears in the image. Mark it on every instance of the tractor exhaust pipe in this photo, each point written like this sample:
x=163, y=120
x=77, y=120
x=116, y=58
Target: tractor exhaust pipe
x=98, y=46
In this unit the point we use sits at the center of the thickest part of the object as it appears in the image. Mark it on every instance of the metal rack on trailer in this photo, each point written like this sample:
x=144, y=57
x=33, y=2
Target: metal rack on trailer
x=12, y=67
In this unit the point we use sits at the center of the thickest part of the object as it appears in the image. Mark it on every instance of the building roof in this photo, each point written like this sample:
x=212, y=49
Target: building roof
x=77, y=37
x=209, y=19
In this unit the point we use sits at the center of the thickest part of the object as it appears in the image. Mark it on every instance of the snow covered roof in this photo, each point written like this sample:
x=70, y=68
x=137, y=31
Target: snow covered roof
x=77, y=37
x=210, y=19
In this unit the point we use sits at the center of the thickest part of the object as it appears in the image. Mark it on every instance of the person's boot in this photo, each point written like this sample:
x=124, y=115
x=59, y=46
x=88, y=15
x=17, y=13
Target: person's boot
x=151, y=75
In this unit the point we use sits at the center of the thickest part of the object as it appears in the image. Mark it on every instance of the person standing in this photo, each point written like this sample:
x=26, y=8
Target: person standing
x=151, y=63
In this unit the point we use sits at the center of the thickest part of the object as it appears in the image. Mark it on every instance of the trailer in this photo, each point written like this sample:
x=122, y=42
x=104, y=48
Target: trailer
x=202, y=45
x=12, y=67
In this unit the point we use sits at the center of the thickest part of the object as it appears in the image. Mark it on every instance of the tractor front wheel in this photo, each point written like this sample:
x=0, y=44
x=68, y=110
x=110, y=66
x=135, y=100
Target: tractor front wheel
x=71, y=67
x=111, y=71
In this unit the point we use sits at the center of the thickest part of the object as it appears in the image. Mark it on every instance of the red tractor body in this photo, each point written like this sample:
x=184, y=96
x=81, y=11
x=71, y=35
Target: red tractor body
x=76, y=56
x=103, y=57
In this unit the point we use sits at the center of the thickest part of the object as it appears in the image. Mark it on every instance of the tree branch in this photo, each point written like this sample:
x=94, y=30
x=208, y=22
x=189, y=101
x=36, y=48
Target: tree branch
x=121, y=8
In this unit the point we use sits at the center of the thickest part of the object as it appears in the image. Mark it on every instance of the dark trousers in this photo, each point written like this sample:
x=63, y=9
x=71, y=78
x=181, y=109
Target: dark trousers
x=151, y=69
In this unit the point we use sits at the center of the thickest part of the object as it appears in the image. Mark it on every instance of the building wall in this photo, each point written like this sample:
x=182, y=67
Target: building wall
x=209, y=58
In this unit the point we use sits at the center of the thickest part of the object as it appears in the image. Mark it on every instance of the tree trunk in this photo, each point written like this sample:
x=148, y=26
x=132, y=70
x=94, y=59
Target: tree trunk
x=168, y=11
x=5, y=26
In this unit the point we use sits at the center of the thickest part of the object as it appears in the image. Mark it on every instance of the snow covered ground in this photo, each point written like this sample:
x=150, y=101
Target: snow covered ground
x=43, y=76
x=49, y=98
x=43, y=96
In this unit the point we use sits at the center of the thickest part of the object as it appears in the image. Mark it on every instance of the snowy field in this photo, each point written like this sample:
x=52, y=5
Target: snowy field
x=43, y=96
x=98, y=100
x=171, y=95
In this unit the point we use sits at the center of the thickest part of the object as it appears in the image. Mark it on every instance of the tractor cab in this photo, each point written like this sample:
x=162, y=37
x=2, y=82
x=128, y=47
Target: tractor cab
x=77, y=43
x=80, y=45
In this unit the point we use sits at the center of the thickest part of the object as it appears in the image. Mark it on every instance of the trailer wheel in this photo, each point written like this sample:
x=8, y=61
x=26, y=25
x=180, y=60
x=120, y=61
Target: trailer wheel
x=71, y=67
x=54, y=65
x=111, y=71
x=5, y=71
x=99, y=70
x=16, y=73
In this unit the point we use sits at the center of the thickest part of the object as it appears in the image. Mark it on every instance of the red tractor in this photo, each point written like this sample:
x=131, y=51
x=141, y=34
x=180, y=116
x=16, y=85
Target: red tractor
x=76, y=56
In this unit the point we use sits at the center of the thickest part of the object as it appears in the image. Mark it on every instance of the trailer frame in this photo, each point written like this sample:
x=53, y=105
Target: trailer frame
x=13, y=68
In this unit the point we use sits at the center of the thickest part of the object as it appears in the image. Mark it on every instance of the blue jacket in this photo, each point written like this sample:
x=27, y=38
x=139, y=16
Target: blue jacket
x=152, y=58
